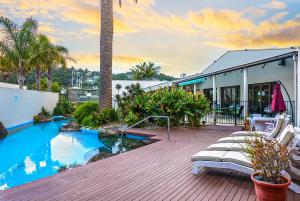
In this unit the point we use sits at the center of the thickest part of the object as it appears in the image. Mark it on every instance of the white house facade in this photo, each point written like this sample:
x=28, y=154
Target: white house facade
x=243, y=81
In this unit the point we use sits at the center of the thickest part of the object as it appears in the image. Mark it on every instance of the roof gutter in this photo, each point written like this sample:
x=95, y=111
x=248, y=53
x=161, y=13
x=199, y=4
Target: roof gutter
x=249, y=65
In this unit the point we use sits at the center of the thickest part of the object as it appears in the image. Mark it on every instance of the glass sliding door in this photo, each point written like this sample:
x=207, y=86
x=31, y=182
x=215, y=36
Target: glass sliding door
x=230, y=96
x=260, y=98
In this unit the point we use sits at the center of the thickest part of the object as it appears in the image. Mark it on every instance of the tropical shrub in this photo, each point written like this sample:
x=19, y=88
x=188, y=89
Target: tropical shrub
x=85, y=110
x=88, y=115
x=172, y=102
x=63, y=107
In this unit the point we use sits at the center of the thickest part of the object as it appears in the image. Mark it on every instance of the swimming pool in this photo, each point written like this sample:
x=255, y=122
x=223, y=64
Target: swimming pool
x=40, y=150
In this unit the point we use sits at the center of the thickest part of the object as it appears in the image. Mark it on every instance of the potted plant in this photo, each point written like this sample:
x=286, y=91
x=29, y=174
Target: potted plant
x=269, y=160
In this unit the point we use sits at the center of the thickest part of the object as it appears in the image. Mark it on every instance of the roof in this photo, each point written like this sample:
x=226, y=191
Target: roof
x=237, y=58
x=242, y=57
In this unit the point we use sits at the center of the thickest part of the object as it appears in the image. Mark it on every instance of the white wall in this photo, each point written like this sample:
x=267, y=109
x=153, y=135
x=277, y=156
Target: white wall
x=19, y=106
x=12, y=86
x=124, y=83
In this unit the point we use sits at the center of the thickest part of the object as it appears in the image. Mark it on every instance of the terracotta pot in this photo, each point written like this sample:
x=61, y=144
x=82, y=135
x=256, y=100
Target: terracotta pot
x=270, y=192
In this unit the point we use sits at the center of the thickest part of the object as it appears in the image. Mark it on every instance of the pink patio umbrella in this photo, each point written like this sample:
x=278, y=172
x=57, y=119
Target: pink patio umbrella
x=278, y=104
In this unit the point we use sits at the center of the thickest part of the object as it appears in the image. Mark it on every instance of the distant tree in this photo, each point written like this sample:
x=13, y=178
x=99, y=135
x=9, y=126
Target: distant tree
x=146, y=71
x=118, y=87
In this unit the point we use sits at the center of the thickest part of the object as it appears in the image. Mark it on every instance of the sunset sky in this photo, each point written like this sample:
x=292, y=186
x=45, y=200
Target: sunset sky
x=180, y=35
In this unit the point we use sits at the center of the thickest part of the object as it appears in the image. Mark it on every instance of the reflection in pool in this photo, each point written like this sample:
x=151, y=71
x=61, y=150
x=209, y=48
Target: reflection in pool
x=40, y=150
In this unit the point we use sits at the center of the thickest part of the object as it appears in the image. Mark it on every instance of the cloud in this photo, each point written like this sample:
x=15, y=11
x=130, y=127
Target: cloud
x=274, y=4
x=220, y=20
x=93, y=60
x=265, y=34
x=47, y=27
x=279, y=16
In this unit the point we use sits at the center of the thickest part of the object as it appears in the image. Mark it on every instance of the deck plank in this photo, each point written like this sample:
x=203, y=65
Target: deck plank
x=160, y=171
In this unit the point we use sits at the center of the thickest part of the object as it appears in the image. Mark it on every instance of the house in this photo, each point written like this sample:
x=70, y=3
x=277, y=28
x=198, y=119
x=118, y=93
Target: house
x=244, y=80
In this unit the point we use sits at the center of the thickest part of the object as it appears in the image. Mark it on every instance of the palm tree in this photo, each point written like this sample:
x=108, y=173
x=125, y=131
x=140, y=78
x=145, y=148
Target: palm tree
x=38, y=57
x=57, y=55
x=118, y=87
x=106, y=42
x=151, y=70
x=16, y=44
x=145, y=71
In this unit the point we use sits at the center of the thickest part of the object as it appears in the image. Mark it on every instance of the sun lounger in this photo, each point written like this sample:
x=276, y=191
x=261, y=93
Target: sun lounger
x=239, y=145
x=243, y=139
x=281, y=122
x=214, y=157
x=232, y=160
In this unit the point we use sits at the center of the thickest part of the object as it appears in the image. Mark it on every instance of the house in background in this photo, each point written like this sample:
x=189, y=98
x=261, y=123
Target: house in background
x=241, y=82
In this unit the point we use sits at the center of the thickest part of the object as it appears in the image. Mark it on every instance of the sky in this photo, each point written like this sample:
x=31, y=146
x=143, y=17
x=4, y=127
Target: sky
x=180, y=36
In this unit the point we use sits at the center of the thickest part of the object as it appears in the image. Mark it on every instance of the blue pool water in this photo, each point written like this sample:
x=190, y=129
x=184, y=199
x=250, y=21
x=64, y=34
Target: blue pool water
x=40, y=150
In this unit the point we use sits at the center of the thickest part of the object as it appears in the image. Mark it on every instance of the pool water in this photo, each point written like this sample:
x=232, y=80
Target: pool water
x=40, y=150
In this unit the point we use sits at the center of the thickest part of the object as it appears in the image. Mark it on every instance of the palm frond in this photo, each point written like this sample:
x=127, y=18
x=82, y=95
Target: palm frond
x=9, y=28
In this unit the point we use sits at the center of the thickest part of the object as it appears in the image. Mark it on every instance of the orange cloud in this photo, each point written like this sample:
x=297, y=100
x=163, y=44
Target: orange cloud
x=220, y=20
x=84, y=59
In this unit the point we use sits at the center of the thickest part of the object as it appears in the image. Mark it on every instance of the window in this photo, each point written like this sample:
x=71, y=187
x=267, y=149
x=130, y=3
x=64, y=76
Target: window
x=230, y=95
x=208, y=93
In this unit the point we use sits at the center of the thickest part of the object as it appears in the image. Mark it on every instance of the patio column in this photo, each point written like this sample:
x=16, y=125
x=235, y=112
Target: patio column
x=245, y=91
x=297, y=96
x=295, y=90
x=214, y=98
x=195, y=88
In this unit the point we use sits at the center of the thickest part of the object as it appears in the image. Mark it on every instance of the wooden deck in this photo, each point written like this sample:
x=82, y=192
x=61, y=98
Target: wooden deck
x=160, y=171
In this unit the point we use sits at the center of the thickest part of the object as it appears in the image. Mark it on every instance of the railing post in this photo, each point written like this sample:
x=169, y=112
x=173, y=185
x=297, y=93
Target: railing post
x=168, y=128
x=235, y=114
x=214, y=98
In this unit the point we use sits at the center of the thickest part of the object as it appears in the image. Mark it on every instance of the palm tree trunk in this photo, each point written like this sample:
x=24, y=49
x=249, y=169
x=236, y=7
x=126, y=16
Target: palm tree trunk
x=49, y=76
x=38, y=78
x=106, y=41
x=5, y=77
x=20, y=75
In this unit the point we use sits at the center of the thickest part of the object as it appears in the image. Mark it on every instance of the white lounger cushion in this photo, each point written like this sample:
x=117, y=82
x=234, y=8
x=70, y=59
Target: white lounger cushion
x=249, y=133
x=227, y=147
x=286, y=135
x=208, y=156
x=236, y=157
x=237, y=139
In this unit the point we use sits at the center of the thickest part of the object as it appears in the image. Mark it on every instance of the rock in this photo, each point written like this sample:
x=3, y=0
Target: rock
x=40, y=118
x=71, y=127
x=3, y=131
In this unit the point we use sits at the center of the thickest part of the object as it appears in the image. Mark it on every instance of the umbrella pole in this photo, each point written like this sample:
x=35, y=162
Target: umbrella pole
x=288, y=98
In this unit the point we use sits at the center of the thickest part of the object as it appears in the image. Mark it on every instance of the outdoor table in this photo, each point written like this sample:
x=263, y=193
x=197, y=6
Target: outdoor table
x=260, y=122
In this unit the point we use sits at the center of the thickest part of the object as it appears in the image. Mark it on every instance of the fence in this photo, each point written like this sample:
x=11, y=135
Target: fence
x=18, y=106
x=233, y=112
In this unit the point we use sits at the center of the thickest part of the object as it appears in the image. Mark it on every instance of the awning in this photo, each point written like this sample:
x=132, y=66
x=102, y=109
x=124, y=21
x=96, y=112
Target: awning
x=200, y=80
